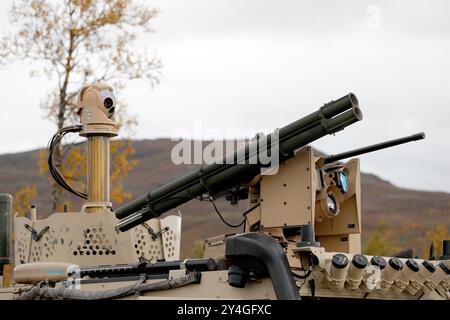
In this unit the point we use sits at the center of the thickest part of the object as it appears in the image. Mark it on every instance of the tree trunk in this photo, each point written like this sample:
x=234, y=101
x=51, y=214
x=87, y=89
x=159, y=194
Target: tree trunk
x=56, y=189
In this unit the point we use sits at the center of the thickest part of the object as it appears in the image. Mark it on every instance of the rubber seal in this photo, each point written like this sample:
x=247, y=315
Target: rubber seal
x=429, y=266
x=360, y=261
x=444, y=267
x=412, y=264
x=396, y=263
x=378, y=261
x=339, y=261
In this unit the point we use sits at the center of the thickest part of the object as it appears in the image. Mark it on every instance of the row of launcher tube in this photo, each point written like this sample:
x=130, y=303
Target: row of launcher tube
x=394, y=275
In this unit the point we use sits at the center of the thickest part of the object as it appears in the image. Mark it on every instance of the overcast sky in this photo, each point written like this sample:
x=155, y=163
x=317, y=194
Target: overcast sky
x=260, y=65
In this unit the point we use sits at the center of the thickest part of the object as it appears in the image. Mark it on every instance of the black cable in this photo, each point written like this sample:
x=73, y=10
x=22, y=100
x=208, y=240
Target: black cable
x=223, y=220
x=306, y=275
x=210, y=199
x=246, y=212
x=56, y=174
x=312, y=285
x=307, y=272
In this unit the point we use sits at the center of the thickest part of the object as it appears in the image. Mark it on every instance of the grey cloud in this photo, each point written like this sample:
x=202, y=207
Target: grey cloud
x=312, y=18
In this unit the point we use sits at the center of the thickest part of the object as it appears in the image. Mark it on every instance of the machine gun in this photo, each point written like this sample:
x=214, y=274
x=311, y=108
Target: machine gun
x=374, y=147
x=235, y=169
x=243, y=165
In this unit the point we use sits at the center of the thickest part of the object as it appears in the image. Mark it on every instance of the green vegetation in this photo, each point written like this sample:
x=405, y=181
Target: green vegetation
x=435, y=236
x=198, y=249
x=379, y=243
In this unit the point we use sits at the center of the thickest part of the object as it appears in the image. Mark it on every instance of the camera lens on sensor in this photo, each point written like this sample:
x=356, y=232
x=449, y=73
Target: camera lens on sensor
x=108, y=103
x=111, y=112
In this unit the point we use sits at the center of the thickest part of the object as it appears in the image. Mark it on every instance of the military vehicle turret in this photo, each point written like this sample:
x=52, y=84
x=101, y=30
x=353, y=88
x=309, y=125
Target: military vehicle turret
x=301, y=238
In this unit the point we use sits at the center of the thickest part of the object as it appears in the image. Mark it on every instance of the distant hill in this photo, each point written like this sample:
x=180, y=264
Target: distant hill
x=407, y=213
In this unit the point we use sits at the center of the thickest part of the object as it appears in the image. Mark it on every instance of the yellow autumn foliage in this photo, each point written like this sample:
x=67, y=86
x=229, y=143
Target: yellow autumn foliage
x=379, y=243
x=75, y=168
x=23, y=199
x=76, y=43
x=435, y=236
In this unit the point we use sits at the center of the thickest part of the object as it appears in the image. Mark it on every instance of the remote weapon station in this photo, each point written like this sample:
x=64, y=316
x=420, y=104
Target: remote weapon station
x=301, y=238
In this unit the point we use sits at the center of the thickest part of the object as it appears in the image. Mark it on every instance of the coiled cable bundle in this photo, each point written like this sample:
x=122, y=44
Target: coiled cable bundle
x=56, y=174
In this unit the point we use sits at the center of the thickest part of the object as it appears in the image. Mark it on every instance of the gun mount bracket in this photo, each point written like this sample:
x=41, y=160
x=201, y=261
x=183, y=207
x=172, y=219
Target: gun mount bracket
x=34, y=234
x=155, y=235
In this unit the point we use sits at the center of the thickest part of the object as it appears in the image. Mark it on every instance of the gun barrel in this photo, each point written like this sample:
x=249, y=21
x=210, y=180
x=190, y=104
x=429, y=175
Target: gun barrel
x=374, y=147
x=235, y=168
x=208, y=264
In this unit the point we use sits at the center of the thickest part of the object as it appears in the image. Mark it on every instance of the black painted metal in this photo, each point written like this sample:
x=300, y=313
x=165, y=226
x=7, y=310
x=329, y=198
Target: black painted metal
x=374, y=147
x=147, y=268
x=6, y=254
x=261, y=255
